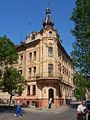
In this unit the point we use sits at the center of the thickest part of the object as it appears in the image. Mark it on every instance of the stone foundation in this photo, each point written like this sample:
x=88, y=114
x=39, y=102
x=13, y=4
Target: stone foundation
x=40, y=102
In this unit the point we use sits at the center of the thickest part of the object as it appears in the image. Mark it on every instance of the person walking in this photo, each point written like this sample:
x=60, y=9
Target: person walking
x=50, y=102
x=81, y=111
x=18, y=109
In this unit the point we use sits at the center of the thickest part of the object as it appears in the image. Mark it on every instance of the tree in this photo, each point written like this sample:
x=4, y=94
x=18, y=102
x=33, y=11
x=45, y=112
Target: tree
x=13, y=83
x=11, y=80
x=81, y=46
x=8, y=53
x=81, y=85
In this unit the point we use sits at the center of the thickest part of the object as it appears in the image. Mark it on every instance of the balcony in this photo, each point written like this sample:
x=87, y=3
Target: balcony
x=45, y=78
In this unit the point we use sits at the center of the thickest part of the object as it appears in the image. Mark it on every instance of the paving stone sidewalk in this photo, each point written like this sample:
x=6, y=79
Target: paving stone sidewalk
x=54, y=109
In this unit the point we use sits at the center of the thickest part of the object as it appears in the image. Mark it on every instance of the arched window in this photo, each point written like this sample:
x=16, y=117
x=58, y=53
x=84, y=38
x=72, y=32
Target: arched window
x=50, y=33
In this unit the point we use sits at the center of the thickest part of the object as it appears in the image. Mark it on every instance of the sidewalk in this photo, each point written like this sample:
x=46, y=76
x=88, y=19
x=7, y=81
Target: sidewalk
x=53, y=109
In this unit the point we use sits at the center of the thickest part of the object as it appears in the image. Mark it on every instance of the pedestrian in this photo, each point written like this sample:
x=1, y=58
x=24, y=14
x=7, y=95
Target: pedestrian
x=50, y=102
x=18, y=109
x=81, y=111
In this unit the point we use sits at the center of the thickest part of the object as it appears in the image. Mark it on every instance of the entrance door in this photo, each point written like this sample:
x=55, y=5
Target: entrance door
x=51, y=94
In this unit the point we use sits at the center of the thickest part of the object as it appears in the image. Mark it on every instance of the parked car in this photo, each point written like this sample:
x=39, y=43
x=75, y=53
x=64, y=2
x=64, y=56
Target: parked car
x=88, y=104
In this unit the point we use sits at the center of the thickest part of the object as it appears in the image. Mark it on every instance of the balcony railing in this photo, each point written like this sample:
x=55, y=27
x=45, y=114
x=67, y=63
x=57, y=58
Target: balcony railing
x=46, y=75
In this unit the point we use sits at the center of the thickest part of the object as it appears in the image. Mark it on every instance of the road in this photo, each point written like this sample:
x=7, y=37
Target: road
x=67, y=113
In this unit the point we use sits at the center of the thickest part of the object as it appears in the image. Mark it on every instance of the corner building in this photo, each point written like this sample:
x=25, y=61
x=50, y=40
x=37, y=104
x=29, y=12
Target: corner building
x=46, y=66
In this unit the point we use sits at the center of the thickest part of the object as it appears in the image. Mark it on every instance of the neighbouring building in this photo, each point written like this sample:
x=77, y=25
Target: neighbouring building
x=46, y=66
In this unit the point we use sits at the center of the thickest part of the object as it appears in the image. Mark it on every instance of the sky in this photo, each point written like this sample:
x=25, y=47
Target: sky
x=18, y=18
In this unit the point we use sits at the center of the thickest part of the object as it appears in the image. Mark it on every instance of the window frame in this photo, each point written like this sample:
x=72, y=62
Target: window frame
x=34, y=71
x=28, y=90
x=50, y=70
x=50, y=51
x=34, y=89
x=30, y=56
x=30, y=72
x=21, y=59
x=34, y=55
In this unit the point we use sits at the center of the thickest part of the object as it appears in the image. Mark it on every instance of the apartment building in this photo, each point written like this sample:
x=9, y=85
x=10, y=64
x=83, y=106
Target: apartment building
x=46, y=66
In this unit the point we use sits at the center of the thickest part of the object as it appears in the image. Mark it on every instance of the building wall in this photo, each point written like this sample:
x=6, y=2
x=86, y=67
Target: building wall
x=61, y=86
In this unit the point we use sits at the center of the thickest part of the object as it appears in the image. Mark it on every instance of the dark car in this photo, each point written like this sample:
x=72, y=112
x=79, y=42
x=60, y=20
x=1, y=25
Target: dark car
x=88, y=104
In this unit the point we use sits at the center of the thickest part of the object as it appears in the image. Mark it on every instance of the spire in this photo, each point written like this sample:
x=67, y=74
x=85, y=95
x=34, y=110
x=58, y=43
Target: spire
x=48, y=23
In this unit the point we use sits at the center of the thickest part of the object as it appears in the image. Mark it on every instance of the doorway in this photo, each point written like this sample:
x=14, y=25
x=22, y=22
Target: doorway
x=51, y=94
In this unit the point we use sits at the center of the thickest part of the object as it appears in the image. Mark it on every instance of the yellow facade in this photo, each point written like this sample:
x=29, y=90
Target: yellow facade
x=47, y=67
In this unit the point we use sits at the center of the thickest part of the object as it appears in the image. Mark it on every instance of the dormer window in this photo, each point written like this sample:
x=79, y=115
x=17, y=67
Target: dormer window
x=50, y=33
x=33, y=36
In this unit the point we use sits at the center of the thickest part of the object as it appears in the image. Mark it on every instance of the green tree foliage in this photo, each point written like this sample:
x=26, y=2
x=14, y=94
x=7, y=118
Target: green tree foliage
x=81, y=85
x=11, y=80
x=81, y=52
x=8, y=53
x=13, y=83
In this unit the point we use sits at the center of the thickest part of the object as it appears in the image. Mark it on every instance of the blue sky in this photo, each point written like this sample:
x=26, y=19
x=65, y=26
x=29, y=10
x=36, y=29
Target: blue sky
x=19, y=18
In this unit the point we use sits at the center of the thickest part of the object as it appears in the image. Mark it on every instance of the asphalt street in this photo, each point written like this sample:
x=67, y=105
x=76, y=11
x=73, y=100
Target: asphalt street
x=65, y=113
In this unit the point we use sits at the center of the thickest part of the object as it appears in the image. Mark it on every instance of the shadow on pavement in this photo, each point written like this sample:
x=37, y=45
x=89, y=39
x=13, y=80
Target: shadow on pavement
x=8, y=109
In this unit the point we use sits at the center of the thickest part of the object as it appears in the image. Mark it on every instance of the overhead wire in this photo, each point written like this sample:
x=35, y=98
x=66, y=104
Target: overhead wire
x=35, y=14
x=39, y=10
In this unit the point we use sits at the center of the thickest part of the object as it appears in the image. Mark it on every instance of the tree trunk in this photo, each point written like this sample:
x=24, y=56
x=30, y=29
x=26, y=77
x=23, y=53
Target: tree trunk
x=10, y=100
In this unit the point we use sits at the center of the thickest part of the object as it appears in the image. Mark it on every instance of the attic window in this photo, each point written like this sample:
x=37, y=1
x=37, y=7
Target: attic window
x=33, y=36
x=50, y=33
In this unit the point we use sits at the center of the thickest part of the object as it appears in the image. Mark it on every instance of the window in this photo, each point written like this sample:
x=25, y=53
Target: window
x=29, y=72
x=33, y=36
x=28, y=90
x=21, y=59
x=50, y=51
x=50, y=70
x=21, y=72
x=2, y=93
x=34, y=55
x=50, y=33
x=34, y=90
x=34, y=71
x=30, y=56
